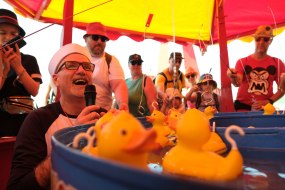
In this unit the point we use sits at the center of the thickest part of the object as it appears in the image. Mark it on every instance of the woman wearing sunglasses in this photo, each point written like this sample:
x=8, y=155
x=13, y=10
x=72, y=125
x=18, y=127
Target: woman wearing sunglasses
x=256, y=73
x=191, y=76
x=142, y=92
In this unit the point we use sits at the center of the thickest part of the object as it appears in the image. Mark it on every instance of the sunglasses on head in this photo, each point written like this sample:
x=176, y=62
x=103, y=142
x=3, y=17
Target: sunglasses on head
x=192, y=75
x=265, y=39
x=136, y=62
x=74, y=65
x=97, y=37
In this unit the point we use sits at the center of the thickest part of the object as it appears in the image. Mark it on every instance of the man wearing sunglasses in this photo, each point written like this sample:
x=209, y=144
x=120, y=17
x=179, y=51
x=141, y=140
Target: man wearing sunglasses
x=71, y=71
x=170, y=78
x=108, y=75
x=255, y=74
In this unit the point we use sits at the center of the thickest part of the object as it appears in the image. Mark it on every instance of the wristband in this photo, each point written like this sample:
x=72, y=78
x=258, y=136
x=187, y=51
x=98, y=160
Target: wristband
x=270, y=101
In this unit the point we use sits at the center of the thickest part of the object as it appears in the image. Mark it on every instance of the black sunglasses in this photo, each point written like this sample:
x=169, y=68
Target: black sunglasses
x=102, y=38
x=135, y=62
x=207, y=83
x=265, y=39
x=192, y=75
x=74, y=65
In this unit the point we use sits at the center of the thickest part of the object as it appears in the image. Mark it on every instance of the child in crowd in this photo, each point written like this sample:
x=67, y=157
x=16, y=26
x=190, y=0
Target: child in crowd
x=175, y=102
x=203, y=94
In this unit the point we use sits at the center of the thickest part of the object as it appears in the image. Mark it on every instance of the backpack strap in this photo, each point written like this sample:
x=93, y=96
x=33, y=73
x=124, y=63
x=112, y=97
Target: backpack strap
x=108, y=58
x=166, y=81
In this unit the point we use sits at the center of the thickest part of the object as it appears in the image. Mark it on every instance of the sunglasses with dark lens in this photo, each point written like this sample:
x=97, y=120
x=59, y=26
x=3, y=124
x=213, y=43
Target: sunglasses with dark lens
x=207, y=83
x=136, y=62
x=74, y=65
x=192, y=75
x=265, y=39
x=96, y=38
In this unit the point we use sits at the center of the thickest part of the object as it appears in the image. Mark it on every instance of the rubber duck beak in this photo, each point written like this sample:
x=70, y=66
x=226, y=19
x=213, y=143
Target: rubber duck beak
x=142, y=141
x=150, y=119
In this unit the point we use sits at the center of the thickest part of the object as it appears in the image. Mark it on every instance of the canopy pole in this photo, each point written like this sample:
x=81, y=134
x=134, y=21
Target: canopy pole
x=226, y=101
x=67, y=25
x=67, y=22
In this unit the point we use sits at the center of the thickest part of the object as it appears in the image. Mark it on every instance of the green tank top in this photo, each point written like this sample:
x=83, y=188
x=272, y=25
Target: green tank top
x=135, y=92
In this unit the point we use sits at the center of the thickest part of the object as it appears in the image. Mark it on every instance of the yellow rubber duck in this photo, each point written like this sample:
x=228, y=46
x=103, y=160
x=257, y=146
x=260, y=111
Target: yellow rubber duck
x=210, y=111
x=93, y=133
x=158, y=120
x=125, y=140
x=188, y=157
x=215, y=143
x=172, y=118
x=269, y=109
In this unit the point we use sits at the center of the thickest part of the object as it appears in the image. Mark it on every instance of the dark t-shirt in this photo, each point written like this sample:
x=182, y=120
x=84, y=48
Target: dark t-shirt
x=31, y=147
x=10, y=124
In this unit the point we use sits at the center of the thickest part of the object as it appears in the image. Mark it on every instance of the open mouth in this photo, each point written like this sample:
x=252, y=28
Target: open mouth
x=80, y=82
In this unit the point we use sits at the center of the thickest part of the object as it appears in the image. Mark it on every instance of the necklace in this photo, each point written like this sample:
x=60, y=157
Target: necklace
x=207, y=98
x=69, y=120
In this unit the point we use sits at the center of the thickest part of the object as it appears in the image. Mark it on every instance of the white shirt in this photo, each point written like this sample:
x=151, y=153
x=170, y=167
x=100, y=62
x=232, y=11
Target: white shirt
x=101, y=79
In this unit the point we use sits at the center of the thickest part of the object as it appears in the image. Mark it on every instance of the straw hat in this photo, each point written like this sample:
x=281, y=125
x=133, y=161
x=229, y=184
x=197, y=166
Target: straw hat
x=263, y=31
x=190, y=71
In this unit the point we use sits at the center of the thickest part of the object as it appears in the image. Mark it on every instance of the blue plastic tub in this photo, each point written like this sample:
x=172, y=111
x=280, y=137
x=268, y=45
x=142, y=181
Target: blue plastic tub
x=72, y=168
x=263, y=144
x=246, y=119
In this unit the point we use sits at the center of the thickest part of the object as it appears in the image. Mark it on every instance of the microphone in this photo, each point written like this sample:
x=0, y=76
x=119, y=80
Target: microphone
x=90, y=97
x=90, y=94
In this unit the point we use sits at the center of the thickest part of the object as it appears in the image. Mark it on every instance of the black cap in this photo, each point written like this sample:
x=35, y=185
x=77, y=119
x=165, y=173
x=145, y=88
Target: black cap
x=177, y=55
x=9, y=17
x=135, y=57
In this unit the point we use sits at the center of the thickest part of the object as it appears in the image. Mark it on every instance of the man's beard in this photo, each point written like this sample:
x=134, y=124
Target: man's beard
x=98, y=50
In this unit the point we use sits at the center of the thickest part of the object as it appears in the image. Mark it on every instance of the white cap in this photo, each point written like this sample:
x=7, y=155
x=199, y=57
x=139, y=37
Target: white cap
x=65, y=51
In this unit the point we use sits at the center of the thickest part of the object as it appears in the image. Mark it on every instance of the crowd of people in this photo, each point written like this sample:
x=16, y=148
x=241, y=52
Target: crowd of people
x=73, y=67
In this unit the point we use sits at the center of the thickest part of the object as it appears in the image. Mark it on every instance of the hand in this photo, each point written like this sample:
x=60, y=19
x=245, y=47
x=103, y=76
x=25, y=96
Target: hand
x=5, y=65
x=231, y=73
x=88, y=115
x=195, y=88
x=13, y=58
x=42, y=173
x=124, y=106
x=257, y=105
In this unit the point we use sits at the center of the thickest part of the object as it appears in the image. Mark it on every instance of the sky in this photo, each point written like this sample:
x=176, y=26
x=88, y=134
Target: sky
x=45, y=43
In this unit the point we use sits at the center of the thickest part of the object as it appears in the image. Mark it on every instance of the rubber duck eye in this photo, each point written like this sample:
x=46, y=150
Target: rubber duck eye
x=123, y=132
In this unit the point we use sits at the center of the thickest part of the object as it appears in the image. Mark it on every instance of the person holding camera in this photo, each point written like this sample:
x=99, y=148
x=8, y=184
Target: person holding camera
x=20, y=76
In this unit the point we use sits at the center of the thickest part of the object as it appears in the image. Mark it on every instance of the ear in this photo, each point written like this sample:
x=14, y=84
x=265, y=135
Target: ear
x=55, y=80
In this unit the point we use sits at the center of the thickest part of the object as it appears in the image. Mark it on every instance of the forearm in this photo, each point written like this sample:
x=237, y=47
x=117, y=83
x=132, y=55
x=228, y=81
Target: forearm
x=277, y=95
x=121, y=92
x=28, y=82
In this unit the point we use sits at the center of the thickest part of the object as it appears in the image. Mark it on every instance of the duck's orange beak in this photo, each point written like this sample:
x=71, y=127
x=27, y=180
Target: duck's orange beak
x=142, y=141
x=150, y=118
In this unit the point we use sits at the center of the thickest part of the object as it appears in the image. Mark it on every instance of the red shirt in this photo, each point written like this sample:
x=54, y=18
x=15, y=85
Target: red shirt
x=258, y=77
